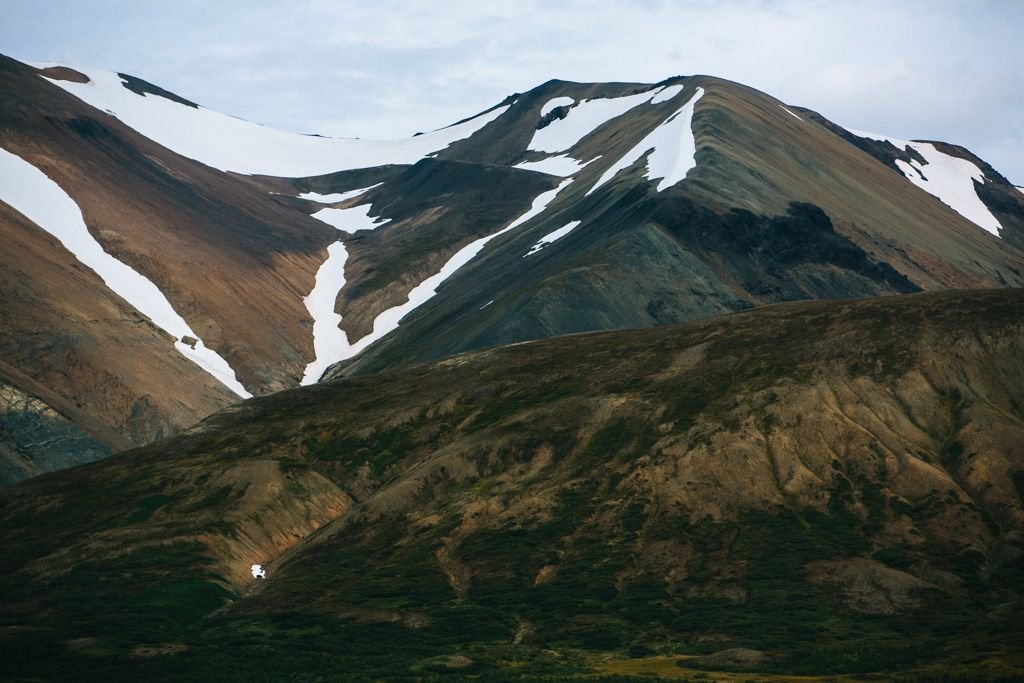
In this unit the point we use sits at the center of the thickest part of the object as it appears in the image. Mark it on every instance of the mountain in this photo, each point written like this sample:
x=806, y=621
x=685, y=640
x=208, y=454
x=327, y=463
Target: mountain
x=609, y=379
x=774, y=208
x=811, y=488
x=115, y=359
x=198, y=258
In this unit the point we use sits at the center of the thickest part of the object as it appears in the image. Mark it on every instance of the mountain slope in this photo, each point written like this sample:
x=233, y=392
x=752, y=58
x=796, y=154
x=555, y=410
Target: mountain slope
x=1001, y=209
x=232, y=261
x=571, y=207
x=774, y=208
x=97, y=365
x=833, y=486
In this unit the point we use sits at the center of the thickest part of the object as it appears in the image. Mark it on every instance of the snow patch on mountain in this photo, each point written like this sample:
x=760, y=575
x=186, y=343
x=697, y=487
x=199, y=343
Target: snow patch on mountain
x=328, y=338
x=537, y=207
x=667, y=93
x=895, y=142
x=31, y=192
x=388, y=320
x=790, y=113
x=232, y=144
x=949, y=178
x=350, y=220
x=561, y=165
x=555, y=103
x=331, y=343
x=551, y=237
x=563, y=134
x=336, y=197
x=670, y=149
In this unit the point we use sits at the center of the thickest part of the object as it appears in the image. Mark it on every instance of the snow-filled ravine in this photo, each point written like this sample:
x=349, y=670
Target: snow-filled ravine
x=232, y=144
x=331, y=343
x=670, y=149
x=30, y=191
x=327, y=335
x=552, y=236
x=950, y=179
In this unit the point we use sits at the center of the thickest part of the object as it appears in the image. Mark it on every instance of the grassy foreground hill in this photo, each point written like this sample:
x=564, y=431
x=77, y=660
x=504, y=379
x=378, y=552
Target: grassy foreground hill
x=821, y=488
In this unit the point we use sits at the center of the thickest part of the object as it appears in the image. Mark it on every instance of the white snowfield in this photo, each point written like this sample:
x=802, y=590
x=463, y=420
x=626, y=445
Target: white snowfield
x=350, y=220
x=670, y=148
x=1020, y=188
x=561, y=165
x=949, y=178
x=790, y=113
x=554, y=103
x=563, y=134
x=332, y=344
x=336, y=197
x=551, y=237
x=231, y=144
x=666, y=93
x=31, y=192
x=258, y=572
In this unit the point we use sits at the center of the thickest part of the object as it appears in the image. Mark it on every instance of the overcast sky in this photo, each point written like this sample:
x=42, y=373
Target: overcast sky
x=933, y=69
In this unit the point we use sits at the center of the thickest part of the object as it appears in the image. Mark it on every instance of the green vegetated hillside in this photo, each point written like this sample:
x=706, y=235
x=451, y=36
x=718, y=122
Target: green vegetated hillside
x=818, y=488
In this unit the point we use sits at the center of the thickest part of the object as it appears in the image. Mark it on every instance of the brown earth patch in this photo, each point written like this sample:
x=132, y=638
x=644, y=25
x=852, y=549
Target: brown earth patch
x=63, y=73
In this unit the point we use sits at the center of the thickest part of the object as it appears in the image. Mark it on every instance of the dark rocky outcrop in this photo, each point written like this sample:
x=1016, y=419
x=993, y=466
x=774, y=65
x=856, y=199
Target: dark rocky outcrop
x=35, y=438
x=762, y=248
x=141, y=87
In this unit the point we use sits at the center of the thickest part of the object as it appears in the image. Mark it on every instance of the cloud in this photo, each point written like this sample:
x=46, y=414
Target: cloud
x=918, y=68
